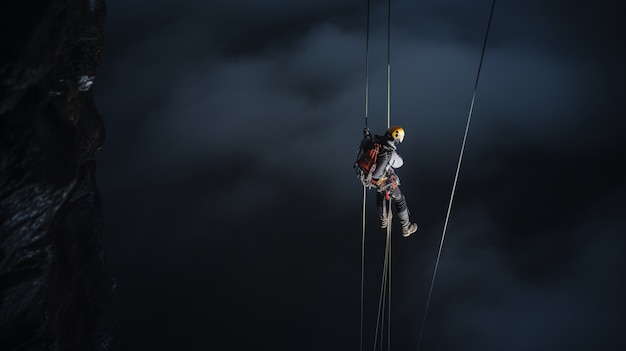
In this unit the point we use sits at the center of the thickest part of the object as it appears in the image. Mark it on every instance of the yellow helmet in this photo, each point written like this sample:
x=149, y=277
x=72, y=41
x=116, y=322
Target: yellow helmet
x=396, y=133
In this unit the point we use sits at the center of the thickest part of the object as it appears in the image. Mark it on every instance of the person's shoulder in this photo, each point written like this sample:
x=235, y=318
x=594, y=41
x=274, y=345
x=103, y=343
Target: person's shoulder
x=380, y=140
x=388, y=145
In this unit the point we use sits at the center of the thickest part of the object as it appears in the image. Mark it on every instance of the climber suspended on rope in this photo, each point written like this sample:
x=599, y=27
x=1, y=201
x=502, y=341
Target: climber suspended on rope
x=376, y=160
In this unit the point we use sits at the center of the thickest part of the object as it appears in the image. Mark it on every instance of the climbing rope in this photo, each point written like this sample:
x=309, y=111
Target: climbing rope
x=381, y=297
x=363, y=264
x=388, y=249
x=367, y=40
x=389, y=218
x=386, y=278
x=456, y=176
x=388, y=63
x=367, y=43
x=385, y=288
x=386, y=281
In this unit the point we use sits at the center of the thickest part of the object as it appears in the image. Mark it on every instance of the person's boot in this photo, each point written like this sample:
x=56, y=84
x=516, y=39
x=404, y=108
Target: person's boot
x=408, y=228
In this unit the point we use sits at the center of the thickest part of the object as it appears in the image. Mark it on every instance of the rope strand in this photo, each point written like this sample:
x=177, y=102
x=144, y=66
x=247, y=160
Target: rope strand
x=367, y=40
x=456, y=176
x=388, y=63
x=389, y=218
x=367, y=43
x=363, y=265
x=383, y=291
x=389, y=278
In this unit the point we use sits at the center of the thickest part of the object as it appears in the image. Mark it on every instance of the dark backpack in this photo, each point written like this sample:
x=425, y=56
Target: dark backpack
x=366, y=162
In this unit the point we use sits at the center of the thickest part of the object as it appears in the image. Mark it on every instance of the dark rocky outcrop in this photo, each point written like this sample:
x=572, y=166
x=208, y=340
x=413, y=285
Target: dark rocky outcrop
x=55, y=292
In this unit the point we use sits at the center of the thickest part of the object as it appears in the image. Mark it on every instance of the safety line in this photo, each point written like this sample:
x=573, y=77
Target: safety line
x=381, y=297
x=367, y=44
x=387, y=264
x=388, y=63
x=367, y=40
x=363, y=265
x=385, y=287
x=389, y=277
x=386, y=278
x=389, y=217
x=456, y=176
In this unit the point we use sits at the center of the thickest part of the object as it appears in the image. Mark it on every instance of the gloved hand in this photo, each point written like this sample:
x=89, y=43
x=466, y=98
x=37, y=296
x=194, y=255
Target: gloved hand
x=366, y=132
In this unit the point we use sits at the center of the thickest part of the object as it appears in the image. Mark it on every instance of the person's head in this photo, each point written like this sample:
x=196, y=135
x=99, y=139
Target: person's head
x=395, y=133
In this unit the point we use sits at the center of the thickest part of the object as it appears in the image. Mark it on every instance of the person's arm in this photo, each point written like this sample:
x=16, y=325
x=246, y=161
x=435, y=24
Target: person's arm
x=381, y=165
x=396, y=160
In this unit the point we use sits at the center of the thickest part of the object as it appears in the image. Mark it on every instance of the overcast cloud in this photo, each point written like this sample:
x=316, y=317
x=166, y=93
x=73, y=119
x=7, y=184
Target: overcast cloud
x=233, y=214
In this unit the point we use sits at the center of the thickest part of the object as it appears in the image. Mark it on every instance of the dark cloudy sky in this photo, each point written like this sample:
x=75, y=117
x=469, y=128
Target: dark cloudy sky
x=233, y=215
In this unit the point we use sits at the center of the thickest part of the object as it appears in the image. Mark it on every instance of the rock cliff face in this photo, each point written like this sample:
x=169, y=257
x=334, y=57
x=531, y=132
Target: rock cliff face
x=55, y=293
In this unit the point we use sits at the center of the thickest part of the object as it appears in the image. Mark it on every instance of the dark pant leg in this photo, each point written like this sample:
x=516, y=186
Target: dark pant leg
x=398, y=199
x=381, y=204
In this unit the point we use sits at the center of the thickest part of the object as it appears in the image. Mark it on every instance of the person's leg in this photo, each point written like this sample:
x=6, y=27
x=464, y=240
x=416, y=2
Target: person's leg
x=383, y=211
x=399, y=201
